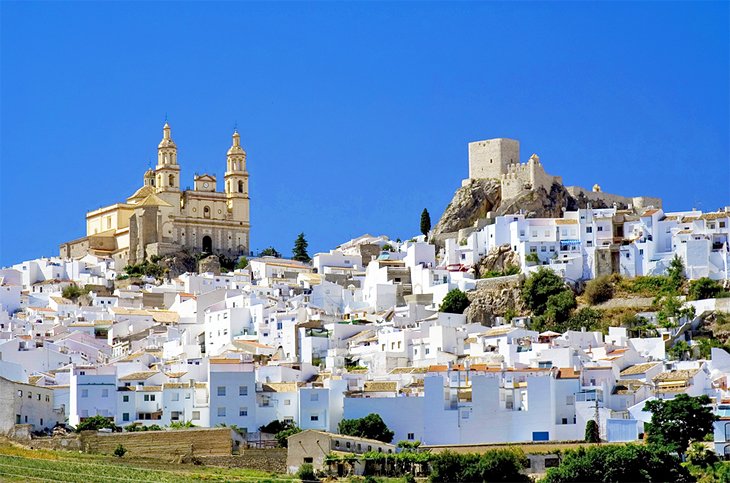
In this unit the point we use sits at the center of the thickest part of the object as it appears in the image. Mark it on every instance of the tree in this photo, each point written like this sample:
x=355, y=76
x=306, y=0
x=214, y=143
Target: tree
x=276, y=426
x=73, y=292
x=705, y=288
x=539, y=287
x=676, y=422
x=425, y=222
x=270, y=252
x=593, y=433
x=371, y=427
x=300, y=249
x=679, y=350
x=559, y=307
x=586, y=317
x=242, y=263
x=283, y=436
x=614, y=463
x=455, y=302
x=675, y=272
x=599, y=290
x=95, y=423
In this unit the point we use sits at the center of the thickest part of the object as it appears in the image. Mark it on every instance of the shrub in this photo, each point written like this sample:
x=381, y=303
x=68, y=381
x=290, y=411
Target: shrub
x=181, y=425
x=119, y=451
x=242, y=263
x=599, y=290
x=306, y=473
x=276, y=426
x=705, y=288
x=455, y=302
x=494, y=465
x=532, y=258
x=73, y=292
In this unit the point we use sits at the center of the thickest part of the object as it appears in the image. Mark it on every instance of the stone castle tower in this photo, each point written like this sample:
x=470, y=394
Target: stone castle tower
x=159, y=218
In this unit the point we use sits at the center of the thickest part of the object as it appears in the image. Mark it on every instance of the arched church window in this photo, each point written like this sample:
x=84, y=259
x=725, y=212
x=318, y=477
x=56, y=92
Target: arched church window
x=206, y=212
x=240, y=186
x=172, y=180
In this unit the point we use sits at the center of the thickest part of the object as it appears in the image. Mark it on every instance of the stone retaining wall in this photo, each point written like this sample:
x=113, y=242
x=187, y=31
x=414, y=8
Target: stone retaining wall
x=272, y=460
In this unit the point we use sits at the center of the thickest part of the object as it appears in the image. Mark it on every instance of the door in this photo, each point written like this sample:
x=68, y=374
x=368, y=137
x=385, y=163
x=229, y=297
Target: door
x=207, y=244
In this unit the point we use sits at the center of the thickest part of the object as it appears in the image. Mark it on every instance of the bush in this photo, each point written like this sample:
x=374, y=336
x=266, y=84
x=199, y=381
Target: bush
x=276, y=426
x=587, y=317
x=120, y=451
x=73, y=292
x=455, y=302
x=599, y=290
x=181, y=425
x=705, y=288
x=306, y=473
x=146, y=268
x=494, y=465
x=242, y=263
x=95, y=423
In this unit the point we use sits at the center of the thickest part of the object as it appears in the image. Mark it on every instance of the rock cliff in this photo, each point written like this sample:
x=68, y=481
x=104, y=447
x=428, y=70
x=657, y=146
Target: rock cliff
x=480, y=196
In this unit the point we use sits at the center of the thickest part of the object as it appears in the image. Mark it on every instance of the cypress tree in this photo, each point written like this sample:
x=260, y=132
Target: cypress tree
x=425, y=222
x=300, y=249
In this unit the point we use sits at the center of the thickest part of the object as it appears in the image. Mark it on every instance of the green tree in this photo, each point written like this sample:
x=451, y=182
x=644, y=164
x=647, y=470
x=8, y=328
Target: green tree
x=675, y=272
x=558, y=307
x=705, y=288
x=599, y=290
x=371, y=426
x=538, y=287
x=270, y=252
x=679, y=350
x=425, y=222
x=276, y=426
x=618, y=463
x=586, y=317
x=283, y=436
x=676, y=422
x=593, y=433
x=242, y=263
x=73, y=292
x=455, y=302
x=95, y=423
x=300, y=249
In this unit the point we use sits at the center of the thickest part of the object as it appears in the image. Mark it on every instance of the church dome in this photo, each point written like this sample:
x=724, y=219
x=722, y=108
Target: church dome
x=141, y=194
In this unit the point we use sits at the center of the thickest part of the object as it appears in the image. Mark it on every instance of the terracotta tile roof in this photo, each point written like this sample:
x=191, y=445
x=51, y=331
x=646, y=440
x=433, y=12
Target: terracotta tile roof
x=279, y=387
x=138, y=376
x=566, y=221
x=568, y=373
x=638, y=368
x=438, y=368
x=380, y=386
x=678, y=376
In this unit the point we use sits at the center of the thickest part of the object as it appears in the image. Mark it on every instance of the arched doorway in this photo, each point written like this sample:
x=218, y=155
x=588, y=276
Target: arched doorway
x=207, y=244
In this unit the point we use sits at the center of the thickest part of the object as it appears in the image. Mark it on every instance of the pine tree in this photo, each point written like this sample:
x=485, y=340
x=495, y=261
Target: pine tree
x=425, y=222
x=300, y=249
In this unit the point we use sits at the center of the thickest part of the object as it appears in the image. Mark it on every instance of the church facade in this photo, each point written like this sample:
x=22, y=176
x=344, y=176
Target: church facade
x=159, y=218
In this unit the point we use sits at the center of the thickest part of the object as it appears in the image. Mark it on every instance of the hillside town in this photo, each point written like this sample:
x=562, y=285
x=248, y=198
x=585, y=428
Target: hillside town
x=438, y=335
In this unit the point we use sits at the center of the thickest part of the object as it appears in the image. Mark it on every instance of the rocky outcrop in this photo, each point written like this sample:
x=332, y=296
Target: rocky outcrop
x=480, y=196
x=498, y=260
x=493, y=298
x=470, y=203
x=210, y=264
x=178, y=263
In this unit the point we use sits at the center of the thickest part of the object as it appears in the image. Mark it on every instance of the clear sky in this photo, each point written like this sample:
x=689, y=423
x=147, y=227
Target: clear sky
x=355, y=116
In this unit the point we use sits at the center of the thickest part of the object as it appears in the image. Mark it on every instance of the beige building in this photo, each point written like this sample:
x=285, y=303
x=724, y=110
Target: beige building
x=159, y=218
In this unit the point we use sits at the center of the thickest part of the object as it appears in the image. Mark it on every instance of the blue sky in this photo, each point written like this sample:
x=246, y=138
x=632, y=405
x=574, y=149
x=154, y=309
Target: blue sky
x=355, y=116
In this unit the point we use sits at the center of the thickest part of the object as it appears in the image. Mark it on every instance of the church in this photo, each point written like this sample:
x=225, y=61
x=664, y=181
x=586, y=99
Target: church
x=159, y=218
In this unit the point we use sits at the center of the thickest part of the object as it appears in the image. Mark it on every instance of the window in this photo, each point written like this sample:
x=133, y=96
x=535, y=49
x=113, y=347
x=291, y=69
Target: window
x=30, y=395
x=206, y=212
x=196, y=415
x=243, y=412
x=533, y=249
x=221, y=412
x=543, y=248
x=314, y=417
x=722, y=224
x=337, y=443
x=84, y=393
x=125, y=416
x=125, y=398
x=411, y=436
x=171, y=179
x=146, y=397
x=287, y=402
x=348, y=444
x=308, y=459
x=175, y=396
x=105, y=393
x=600, y=228
x=240, y=186
x=314, y=396
x=243, y=390
x=221, y=390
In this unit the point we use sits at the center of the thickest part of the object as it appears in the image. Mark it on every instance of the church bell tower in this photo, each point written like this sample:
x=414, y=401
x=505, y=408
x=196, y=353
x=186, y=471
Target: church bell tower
x=236, y=187
x=167, y=171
